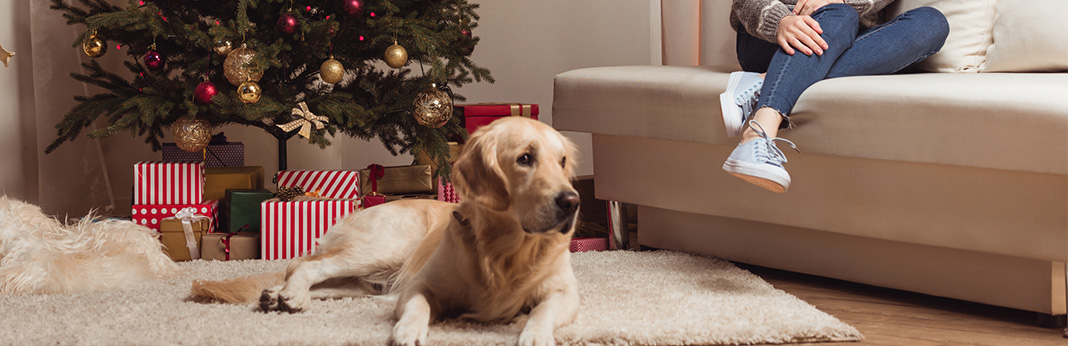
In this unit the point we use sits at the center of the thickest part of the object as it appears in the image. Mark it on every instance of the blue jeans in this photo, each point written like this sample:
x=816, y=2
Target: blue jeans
x=883, y=49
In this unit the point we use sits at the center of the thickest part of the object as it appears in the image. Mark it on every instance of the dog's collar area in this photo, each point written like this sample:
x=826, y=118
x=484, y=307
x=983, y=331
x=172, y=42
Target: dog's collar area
x=461, y=219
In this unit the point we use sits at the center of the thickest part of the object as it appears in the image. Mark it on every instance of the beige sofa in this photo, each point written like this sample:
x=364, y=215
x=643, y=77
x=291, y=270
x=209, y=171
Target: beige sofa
x=950, y=184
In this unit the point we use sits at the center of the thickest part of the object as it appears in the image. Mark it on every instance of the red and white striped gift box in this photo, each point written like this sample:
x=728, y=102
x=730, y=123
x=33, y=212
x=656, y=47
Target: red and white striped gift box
x=329, y=184
x=588, y=244
x=291, y=229
x=168, y=182
x=446, y=193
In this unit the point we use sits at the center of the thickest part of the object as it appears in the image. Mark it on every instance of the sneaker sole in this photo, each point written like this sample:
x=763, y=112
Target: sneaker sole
x=732, y=120
x=757, y=175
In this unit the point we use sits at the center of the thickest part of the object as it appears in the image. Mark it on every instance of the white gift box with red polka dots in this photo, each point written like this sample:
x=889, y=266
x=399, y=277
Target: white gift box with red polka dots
x=149, y=215
x=158, y=183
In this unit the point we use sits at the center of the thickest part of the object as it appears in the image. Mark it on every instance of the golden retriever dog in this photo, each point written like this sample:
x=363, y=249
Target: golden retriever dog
x=38, y=254
x=500, y=253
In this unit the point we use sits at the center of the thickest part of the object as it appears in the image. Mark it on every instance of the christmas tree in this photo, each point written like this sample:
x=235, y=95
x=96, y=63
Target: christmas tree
x=288, y=67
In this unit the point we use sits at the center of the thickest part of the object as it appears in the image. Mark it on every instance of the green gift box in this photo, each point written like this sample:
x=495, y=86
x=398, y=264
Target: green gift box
x=241, y=207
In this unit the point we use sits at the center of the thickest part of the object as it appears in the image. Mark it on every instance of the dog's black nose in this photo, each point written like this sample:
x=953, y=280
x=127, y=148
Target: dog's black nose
x=568, y=201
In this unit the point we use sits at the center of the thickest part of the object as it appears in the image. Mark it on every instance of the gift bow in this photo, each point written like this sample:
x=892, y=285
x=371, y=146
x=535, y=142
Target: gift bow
x=306, y=121
x=188, y=215
x=375, y=172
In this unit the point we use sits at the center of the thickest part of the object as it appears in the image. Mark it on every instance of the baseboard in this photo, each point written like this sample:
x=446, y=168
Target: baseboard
x=1007, y=281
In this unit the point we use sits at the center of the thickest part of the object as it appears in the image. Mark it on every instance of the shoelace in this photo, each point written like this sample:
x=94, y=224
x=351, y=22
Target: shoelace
x=748, y=100
x=771, y=151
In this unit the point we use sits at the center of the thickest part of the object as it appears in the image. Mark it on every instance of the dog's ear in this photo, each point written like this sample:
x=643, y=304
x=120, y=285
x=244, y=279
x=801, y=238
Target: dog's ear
x=477, y=175
x=571, y=152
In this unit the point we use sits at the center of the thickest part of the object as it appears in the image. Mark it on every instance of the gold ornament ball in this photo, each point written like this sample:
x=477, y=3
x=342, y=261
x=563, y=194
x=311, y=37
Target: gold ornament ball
x=192, y=135
x=236, y=66
x=332, y=71
x=249, y=92
x=433, y=108
x=223, y=47
x=396, y=56
x=94, y=46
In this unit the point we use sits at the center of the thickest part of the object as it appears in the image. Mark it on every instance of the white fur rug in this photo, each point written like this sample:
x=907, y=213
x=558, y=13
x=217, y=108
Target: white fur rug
x=628, y=298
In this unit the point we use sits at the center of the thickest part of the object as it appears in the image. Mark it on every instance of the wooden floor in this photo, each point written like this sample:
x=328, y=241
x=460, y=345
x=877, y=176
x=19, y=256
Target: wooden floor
x=892, y=317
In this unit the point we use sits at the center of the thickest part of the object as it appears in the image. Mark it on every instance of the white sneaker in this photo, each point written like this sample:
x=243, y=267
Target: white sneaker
x=760, y=162
x=740, y=99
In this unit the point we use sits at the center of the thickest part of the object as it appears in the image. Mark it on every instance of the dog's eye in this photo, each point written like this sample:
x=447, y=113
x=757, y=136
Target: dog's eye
x=525, y=160
x=563, y=162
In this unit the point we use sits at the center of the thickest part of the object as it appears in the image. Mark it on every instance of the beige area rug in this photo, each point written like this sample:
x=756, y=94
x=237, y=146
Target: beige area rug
x=628, y=298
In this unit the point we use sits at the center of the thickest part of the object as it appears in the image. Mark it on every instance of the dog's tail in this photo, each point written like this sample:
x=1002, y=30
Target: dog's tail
x=235, y=291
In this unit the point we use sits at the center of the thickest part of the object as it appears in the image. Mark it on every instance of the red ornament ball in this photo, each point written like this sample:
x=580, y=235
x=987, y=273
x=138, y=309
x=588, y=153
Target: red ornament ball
x=288, y=23
x=204, y=92
x=352, y=7
x=154, y=60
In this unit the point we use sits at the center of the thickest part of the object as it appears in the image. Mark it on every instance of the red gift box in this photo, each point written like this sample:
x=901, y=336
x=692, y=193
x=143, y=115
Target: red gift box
x=291, y=229
x=480, y=114
x=329, y=184
x=168, y=183
x=149, y=215
x=588, y=244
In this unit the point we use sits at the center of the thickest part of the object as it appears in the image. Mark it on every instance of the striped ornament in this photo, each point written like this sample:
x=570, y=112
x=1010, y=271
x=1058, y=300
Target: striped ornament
x=292, y=229
x=329, y=184
x=168, y=182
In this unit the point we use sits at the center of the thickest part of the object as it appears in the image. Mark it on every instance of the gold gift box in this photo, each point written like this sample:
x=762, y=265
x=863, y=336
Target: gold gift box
x=399, y=180
x=218, y=179
x=173, y=237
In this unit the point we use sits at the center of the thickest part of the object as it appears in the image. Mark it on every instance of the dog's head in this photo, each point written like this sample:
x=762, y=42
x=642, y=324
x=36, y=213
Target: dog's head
x=524, y=167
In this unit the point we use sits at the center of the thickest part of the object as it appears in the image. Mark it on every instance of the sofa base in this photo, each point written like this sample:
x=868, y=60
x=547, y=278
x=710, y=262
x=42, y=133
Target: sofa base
x=1014, y=282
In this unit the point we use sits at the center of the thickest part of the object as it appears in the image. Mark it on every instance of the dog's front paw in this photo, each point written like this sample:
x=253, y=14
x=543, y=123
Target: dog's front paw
x=269, y=299
x=292, y=300
x=536, y=338
x=409, y=334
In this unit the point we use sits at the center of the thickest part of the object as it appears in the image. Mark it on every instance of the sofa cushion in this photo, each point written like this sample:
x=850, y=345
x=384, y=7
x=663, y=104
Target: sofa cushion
x=970, y=27
x=1006, y=121
x=1029, y=36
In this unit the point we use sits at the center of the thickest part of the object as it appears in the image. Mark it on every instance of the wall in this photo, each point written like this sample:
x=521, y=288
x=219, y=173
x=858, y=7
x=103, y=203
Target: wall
x=524, y=43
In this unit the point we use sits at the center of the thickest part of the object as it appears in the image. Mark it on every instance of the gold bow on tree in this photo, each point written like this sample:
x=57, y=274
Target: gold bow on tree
x=306, y=121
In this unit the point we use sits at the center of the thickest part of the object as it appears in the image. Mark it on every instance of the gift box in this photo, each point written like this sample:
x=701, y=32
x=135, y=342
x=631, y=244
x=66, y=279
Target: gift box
x=368, y=201
x=454, y=153
x=446, y=193
x=216, y=154
x=588, y=244
x=221, y=246
x=218, y=180
x=391, y=198
x=168, y=183
x=291, y=228
x=398, y=180
x=479, y=114
x=240, y=209
x=182, y=234
x=150, y=215
x=328, y=184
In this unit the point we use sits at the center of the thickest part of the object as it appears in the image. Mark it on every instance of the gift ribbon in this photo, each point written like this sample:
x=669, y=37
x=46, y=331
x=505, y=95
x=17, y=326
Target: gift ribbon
x=226, y=242
x=375, y=172
x=188, y=215
x=519, y=109
x=306, y=121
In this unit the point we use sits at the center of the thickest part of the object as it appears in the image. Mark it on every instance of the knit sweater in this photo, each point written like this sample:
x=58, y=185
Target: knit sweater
x=761, y=18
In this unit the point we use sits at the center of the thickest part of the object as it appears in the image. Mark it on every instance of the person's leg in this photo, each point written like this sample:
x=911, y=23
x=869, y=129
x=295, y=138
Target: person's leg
x=754, y=54
x=789, y=75
x=757, y=159
x=739, y=99
x=894, y=45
